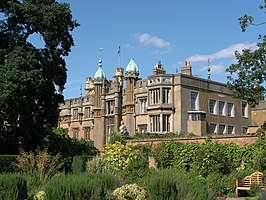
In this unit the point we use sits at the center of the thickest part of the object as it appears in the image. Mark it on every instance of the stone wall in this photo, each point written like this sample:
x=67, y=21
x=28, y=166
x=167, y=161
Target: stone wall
x=240, y=140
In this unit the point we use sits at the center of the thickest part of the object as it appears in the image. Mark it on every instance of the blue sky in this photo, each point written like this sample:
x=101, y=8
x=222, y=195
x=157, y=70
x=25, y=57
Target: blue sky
x=152, y=30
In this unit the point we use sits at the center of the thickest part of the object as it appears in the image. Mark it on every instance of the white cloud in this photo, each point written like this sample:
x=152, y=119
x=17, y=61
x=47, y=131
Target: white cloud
x=228, y=52
x=145, y=38
x=215, y=69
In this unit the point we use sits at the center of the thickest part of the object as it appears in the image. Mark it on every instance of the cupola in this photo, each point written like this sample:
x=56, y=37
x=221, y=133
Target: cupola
x=132, y=67
x=100, y=73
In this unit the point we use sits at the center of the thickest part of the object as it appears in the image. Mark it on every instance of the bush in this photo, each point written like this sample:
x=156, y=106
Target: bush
x=163, y=186
x=120, y=155
x=6, y=163
x=178, y=185
x=130, y=192
x=137, y=169
x=262, y=195
x=79, y=163
x=117, y=137
x=99, y=165
x=38, y=168
x=12, y=187
x=57, y=141
x=82, y=186
x=164, y=154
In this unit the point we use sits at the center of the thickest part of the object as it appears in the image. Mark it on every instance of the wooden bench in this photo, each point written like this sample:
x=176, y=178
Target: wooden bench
x=253, y=179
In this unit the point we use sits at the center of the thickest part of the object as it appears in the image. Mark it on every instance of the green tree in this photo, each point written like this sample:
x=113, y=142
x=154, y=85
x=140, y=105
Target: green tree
x=247, y=77
x=29, y=74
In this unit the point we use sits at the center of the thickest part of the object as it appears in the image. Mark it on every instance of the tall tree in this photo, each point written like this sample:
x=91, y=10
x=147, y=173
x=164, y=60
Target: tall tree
x=29, y=74
x=248, y=76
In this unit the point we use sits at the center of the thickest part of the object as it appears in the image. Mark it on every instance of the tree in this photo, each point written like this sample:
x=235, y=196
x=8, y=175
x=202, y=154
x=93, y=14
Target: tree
x=29, y=74
x=247, y=77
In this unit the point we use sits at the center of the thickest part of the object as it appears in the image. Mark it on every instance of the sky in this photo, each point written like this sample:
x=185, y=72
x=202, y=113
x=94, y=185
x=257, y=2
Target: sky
x=171, y=31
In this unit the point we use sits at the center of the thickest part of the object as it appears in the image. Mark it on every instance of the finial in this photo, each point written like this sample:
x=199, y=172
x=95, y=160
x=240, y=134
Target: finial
x=101, y=50
x=119, y=58
x=100, y=60
x=209, y=69
x=80, y=90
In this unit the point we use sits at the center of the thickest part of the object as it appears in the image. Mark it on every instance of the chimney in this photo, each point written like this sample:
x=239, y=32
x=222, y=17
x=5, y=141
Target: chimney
x=186, y=69
x=158, y=68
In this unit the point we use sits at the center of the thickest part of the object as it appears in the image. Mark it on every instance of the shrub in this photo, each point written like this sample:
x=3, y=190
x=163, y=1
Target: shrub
x=262, y=195
x=164, y=154
x=79, y=163
x=117, y=137
x=137, y=169
x=38, y=167
x=99, y=165
x=119, y=155
x=81, y=186
x=12, y=187
x=57, y=141
x=6, y=163
x=40, y=195
x=178, y=185
x=162, y=186
x=130, y=192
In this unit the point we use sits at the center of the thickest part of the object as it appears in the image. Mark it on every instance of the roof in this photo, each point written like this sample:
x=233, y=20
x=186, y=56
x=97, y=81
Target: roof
x=99, y=73
x=132, y=66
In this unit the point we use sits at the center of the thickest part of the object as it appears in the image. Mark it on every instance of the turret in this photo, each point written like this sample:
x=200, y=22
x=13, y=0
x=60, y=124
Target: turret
x=132, y=75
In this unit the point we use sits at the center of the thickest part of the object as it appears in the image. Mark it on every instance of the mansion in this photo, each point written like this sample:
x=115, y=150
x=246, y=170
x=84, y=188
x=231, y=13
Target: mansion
x=178, y=103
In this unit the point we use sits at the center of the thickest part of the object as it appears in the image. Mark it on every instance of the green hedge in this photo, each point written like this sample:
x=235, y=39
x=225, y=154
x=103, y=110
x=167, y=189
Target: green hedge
x=81, y=186
x=79, y=163
x=6, y=163
x=12, y=187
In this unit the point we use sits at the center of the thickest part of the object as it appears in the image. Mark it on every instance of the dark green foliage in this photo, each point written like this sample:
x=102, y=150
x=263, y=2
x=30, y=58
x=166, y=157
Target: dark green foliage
x=137, y=169
x=156, y=135
x=178, y=185
x=163, y=186
x=7, y=163
x=79, y=163
x=210, y=157
x=253, y=156
x=262, y=195
x=254, y=190
x=58, y=141
x=219, y=164
x=12, y=187
x=247, y=77
x=164, y=153
x=116, y=136
x=82, y=186
x=29, y=74
x=140, y=167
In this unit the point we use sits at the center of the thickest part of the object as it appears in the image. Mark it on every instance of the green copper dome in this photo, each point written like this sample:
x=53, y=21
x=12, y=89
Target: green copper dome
x=132, y=66
x=100, y=73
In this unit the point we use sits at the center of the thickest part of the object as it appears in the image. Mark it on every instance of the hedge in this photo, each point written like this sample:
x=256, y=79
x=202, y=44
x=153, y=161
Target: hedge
x=82, y=186
x=6, y=163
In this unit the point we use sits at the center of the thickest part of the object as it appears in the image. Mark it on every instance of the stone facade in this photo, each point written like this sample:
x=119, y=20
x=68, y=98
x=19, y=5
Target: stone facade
x=258, y=117
x=159, y=104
